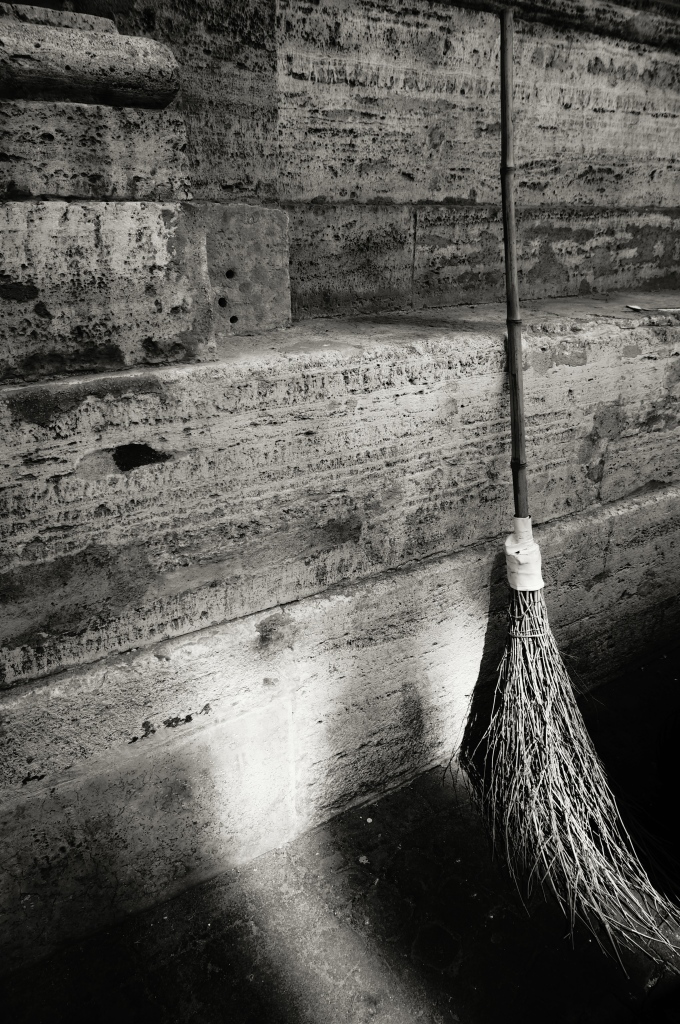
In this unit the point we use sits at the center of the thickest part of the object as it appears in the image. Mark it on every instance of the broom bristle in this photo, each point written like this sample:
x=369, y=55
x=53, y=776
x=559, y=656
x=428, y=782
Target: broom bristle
x=545, y=793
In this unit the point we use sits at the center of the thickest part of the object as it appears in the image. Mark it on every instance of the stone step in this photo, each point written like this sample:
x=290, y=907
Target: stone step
x=147, y=504
x=131, y=780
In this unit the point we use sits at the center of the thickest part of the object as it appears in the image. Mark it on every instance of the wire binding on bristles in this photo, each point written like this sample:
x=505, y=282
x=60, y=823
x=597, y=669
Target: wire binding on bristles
x=545, y=794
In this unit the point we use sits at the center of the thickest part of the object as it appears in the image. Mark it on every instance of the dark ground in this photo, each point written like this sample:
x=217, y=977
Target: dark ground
x=390, y=913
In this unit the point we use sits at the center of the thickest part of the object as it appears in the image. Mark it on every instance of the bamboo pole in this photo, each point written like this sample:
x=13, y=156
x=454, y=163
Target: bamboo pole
x=518, y=461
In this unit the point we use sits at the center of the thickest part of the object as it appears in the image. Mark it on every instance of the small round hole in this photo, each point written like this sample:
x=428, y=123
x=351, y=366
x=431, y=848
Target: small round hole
x=233, y=319
x=231, y=273
x=222, y=302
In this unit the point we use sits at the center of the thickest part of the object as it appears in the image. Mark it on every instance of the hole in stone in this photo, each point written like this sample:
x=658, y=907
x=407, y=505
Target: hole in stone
x=131, y=456
x=233, y=319
x=222, y=301
x=231, y=273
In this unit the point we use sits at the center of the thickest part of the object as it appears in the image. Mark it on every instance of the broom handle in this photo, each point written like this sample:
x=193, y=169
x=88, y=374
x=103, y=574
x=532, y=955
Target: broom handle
x=518, y=461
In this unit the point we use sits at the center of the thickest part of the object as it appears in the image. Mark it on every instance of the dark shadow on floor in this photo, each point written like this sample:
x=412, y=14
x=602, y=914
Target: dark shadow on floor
x=634, y=722
x=393, y=913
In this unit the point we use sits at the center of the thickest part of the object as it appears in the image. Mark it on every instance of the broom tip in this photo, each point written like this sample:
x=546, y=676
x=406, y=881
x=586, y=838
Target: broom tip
x=545, y=794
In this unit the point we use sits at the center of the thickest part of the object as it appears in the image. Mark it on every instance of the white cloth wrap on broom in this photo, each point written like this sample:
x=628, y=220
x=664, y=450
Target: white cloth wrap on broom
x=523, y=557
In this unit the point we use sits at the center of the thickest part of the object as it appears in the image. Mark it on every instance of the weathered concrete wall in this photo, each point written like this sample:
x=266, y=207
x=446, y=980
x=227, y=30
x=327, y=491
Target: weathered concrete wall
x=390, y=146
x=128, y=781
x=227, y=71
x=239, y=595
x=85, y=151
x=113, y=282
x=323, y=455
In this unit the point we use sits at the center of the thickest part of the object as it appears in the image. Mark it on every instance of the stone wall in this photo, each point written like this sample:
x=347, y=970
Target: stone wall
x=390, y=150
x=240, y=596
x=249, y=575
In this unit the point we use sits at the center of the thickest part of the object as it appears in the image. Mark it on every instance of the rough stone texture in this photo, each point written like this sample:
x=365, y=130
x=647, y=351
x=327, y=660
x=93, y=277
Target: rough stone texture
x=399, y=106
x=75, y=150
x=203, y=652
x=382, y=101
x=56, y=19
x=637, y=21
x=327, y=453
x=404, y=105
x=370, y=257
x=459, y=252
x=227, y=69
x=247, y=252
x=101, y=285
x=143, y=774
x=40, y=62
x=350, y=258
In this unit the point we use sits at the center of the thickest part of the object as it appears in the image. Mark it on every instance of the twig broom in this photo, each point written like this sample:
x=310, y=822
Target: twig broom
x=552, y=814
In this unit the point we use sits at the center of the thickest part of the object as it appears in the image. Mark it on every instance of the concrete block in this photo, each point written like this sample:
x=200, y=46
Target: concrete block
x=349, y=258
x=76, y=150
x=99, y=285
x=134, y=778
x=39, y=62
x=247, y=253
x=143, y=505
x=95, y=286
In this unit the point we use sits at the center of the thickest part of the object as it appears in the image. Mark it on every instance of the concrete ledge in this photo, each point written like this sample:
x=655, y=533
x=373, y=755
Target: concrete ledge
x=140, y=506
x=39, y=62
x=129, y=781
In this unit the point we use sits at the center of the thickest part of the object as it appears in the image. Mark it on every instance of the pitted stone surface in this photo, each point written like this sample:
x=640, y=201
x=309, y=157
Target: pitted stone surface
x=99, y=285
x=102, y=285
x=350, y=258
x=390, y=152
x=41, y=62
x=309, y=458
x=247, y=253
x=375, y=675
x=459, y=252
x=56, y=19
x=86, y=151
x=404, y=105
x=227, y=73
